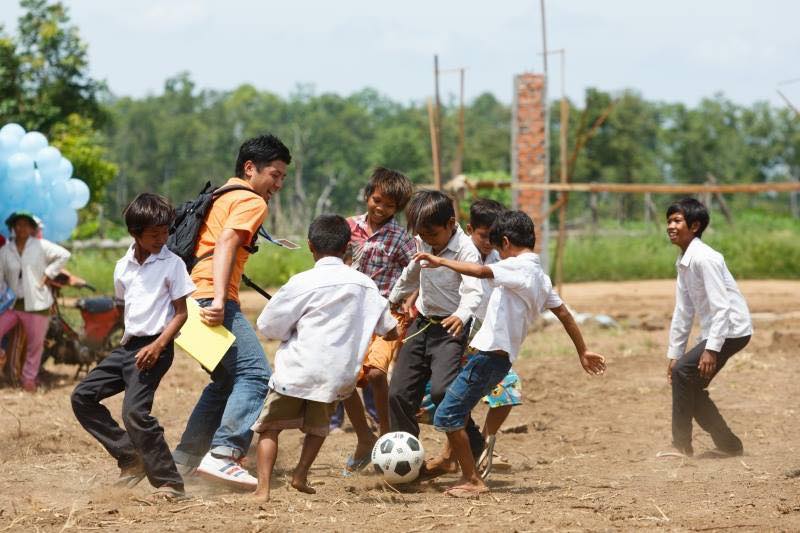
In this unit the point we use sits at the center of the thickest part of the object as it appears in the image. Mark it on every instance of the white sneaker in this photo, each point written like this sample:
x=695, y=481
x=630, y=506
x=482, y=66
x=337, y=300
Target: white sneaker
x=226, y=469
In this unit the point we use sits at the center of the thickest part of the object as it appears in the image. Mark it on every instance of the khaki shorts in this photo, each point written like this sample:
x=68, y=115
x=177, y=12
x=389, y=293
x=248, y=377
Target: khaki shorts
x=288, y=412
x=381, y=353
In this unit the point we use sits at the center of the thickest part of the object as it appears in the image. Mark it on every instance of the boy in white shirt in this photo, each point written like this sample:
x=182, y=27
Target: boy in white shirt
x=704, y=288
x=154, y=284
x=521, y=292
x=324, y=318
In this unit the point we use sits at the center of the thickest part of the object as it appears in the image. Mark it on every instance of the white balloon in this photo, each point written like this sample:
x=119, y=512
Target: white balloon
x=8, y=145
x=20, y=167
x=32, y=142
x=13, y=130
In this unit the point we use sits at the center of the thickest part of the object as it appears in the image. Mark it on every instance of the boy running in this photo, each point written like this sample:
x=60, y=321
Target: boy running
x=381, y=248
x=705, y=288
x=154, y=284
x=521, y=292
x=324, y=318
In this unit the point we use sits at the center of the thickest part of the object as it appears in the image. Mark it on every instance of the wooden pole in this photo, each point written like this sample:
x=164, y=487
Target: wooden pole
x=437, y=177
x=544, y=234
x=723, y=205
x=562, y=212
x=655, y=188
x=458, y=167
x=437, y=172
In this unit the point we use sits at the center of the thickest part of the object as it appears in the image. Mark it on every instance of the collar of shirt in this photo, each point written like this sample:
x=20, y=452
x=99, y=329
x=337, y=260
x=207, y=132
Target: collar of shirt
x=131, y=255
x=692, y=250
x=390, y=225
x=328, y=260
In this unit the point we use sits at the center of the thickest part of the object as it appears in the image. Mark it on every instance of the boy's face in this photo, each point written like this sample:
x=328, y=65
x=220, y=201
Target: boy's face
x=267, y=181
x=23, y=229
x=437, y=237
x=152, y=239
x=480, y=238
x=679, y=233
x=380, y=208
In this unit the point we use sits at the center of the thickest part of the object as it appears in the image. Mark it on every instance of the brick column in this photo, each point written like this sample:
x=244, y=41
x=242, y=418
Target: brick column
x=528, y=156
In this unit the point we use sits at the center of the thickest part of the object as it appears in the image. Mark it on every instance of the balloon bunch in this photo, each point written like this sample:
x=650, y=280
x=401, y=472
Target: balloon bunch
x=35, y=177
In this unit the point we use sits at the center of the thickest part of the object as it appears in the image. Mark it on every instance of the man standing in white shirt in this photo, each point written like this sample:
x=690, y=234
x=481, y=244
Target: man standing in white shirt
x=325, y=318
x=705, y=288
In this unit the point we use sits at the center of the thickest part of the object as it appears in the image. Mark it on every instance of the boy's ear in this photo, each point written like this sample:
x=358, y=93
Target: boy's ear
x=311, y=247
x=695, y=227
x=506, y=242
x=469, y=229
x=451, y=224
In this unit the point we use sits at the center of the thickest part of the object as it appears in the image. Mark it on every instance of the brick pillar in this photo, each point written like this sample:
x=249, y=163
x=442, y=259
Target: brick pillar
x=528, y=156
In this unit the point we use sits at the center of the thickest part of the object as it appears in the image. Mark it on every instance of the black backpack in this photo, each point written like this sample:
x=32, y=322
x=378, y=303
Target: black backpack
x=189, y=218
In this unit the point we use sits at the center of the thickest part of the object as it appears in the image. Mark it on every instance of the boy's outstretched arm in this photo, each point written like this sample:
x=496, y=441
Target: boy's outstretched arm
x=593, y=363
x=146, y=357
x=468, y=269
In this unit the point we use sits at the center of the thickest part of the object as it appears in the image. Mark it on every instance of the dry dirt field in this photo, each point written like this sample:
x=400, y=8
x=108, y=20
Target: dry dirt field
x=583, y=450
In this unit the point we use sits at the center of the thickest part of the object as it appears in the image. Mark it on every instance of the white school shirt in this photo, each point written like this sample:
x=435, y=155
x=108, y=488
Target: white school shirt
x=521, y=292
x=24, y=274
x=149, y=290
x=442, y=292
x=706, y=288
x=324, y=318
x=491, y=258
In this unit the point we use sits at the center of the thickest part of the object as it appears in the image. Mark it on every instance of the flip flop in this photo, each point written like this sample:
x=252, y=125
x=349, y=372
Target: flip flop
x=466, y=493
x=426, y=474
x=353, y=465
x=129, y=481
x=167, y=494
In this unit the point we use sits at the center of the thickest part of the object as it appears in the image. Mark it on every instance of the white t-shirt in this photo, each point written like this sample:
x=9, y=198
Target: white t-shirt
x=521, y=292
x=149, y=290
x=480, y=313
x=324, y=318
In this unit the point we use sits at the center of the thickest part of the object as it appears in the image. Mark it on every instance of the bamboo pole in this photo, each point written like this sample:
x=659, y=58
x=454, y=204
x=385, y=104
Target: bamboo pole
x=437, y=162
x=564, y=200
x=655, y=188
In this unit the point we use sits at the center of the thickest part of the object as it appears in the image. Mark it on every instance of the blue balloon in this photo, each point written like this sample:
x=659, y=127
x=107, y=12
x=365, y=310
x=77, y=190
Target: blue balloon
x=80, y=194
x=20, y=167
x=13, y=130
x=48, y=159
x=32, y=142
x=64, y=169
x=8, y=145
x=63, y=223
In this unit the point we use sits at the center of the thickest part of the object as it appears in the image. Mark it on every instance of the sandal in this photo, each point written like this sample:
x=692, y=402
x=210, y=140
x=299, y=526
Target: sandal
x=484, y=463
x=167, y=493
x=130, y=480
x=353, y=465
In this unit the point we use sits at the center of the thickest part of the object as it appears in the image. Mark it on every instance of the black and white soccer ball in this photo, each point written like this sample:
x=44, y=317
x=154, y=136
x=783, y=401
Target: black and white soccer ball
x=398, y=457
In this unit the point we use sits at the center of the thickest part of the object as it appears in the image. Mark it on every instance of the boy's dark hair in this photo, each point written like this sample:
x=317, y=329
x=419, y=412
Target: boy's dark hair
x=483, y=212
x=329, y=235
x=692, y=211
x=391, y=183
x=517, y=226
x=261, y=150
x=429, y=208
x=147, y=210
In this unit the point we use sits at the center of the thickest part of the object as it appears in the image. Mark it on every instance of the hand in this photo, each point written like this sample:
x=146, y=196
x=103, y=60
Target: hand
x=409, y=306
x=453, y=325
x=147, y=356
x=593, y=363
x=427, y=260
x=707, y=364
x=213, y=314
x=670, y=366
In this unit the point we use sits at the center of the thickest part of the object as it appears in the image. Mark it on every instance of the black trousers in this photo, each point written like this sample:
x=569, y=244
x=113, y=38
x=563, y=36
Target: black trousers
x=433, y=355
x=143, y=437
x=690, y=399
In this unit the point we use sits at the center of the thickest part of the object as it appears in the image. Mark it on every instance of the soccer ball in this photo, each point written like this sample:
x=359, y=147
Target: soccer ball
x=398, y=456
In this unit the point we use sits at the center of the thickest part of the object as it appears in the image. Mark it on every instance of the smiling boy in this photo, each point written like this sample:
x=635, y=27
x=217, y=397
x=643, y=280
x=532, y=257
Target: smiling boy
x=706, y=289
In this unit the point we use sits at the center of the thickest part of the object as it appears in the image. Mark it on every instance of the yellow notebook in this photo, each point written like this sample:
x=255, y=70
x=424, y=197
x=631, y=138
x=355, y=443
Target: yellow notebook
x=204, y=343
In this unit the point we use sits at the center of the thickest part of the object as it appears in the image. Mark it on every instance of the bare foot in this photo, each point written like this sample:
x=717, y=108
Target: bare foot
x=441, y=463
x=259, y=495
x=364, y=449
x=303, y=486
x=467, y=489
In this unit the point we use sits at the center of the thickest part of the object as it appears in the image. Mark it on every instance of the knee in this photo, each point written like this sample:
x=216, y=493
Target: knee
x=376, y=377
x=437, y=393
x=80, y=398
x=136, y=419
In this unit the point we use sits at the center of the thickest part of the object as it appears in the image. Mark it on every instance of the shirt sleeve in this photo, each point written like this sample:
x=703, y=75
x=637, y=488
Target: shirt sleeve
x=278, y=319
x=407, y=283
x=718, y=304
x=55, y=256
x=386, y=322
x=119, y=288
x=681, y=325
x=471, y=289
x=507, y=274
x=246, y=215
x=406, y=250
x=180, y=284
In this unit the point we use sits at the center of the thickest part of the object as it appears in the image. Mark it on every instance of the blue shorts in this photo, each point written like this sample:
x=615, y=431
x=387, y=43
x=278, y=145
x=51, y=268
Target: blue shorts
x=478, y=378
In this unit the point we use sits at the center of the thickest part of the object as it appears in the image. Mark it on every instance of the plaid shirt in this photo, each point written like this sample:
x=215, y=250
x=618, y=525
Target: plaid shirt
x=383, y=255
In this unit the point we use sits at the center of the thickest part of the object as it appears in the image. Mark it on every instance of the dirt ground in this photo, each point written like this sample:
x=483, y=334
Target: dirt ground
x=582, y=449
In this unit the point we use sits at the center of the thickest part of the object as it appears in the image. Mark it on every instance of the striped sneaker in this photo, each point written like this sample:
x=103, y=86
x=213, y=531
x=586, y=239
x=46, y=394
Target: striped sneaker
x=227, y=470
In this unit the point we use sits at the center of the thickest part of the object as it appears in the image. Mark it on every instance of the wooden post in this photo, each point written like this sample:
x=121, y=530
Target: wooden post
x=458, y=163
x=793, y=203
x=437, y=171
x=593, y=208
x=437, y=176
x=562, y=212
x=723, y=205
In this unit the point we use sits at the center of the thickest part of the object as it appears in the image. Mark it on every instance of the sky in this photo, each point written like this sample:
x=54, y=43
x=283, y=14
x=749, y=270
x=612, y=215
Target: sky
x=681, y=50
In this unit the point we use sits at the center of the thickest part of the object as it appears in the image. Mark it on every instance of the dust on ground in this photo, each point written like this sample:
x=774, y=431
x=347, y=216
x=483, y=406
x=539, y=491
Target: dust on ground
x=583, y=453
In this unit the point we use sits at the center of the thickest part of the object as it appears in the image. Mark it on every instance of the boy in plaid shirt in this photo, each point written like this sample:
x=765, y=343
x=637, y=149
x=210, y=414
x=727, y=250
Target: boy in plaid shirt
x=381, y=249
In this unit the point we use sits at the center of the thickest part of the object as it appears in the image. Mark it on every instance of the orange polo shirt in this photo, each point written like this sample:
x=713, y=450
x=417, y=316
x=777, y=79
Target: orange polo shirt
x=242, y=211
